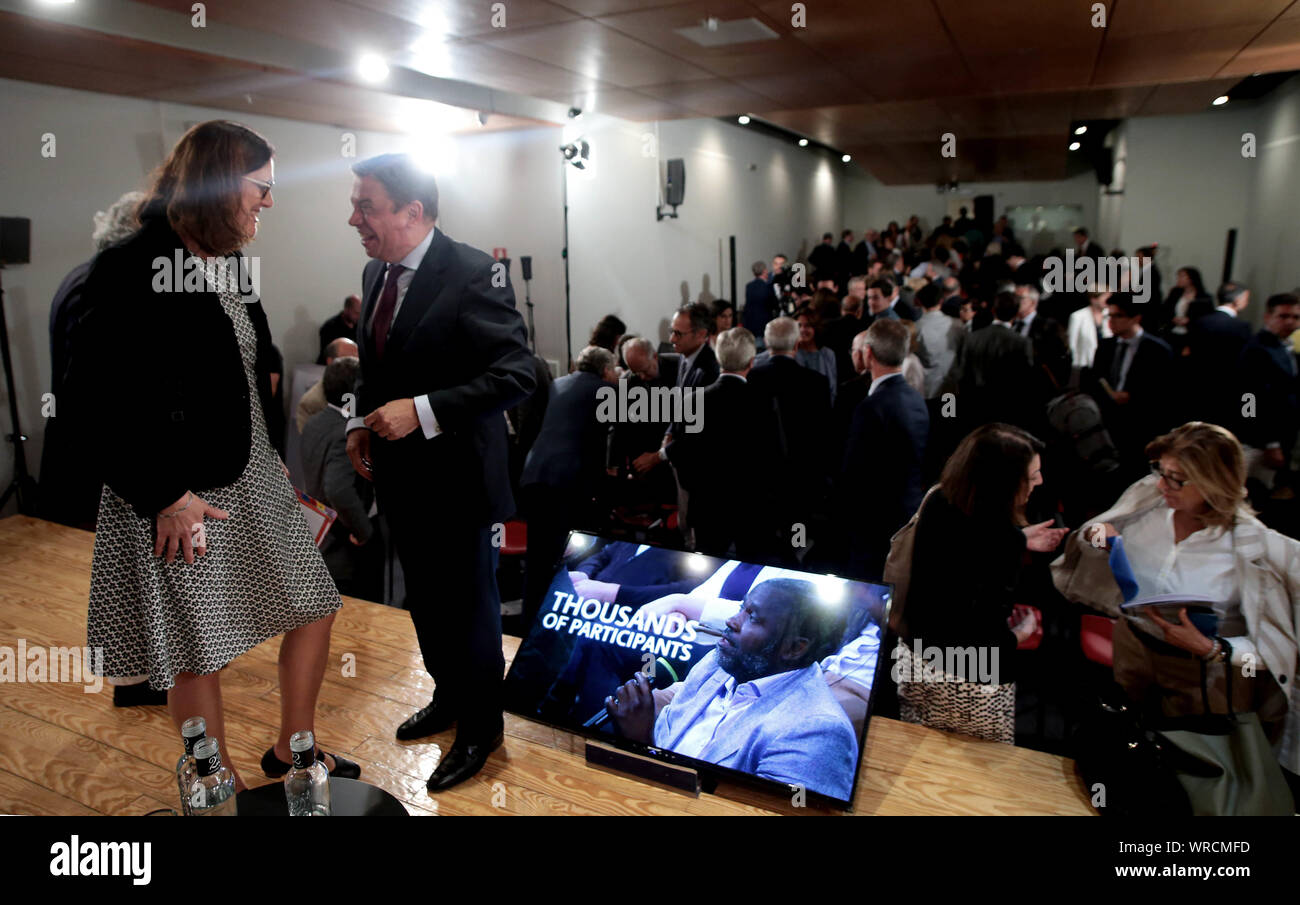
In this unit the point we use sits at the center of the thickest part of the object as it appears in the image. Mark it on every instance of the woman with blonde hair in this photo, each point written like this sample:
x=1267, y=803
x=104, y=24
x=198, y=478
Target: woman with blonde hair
x=1188, y=529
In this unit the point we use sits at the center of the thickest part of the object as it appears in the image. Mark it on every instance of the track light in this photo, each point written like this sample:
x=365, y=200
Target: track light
x=743, y=120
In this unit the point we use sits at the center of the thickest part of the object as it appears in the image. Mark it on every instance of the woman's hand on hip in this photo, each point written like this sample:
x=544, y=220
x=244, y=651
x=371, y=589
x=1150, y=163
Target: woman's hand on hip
x=179, y=528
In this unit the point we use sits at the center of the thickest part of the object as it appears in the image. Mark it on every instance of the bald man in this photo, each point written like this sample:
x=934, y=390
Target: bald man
x=313, y=401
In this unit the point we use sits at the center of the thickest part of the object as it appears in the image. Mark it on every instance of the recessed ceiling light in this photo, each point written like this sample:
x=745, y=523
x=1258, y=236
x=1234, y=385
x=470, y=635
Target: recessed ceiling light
x=1074, y=146
x=846, y=158
x=1220, y=100
x=372, y=68
x=803, y=142
x=1080, y=130
x=743, y=120
x=575, y=113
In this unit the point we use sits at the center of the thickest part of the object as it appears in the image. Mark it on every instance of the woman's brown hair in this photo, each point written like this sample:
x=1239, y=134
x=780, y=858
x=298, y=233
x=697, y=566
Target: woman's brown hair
x=200, y=184
x=989, y=471
x=1213, y=460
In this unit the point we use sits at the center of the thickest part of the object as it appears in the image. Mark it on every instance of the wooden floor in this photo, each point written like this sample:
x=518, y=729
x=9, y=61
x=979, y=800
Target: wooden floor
x=63, y=751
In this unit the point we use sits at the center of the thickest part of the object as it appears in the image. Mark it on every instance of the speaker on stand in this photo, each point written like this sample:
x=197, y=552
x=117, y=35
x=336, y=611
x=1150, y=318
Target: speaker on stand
x=526, y=264
x=15, y=248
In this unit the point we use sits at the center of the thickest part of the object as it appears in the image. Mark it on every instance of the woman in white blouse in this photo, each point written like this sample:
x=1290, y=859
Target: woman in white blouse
x=1088, y=327
x=1188, y=529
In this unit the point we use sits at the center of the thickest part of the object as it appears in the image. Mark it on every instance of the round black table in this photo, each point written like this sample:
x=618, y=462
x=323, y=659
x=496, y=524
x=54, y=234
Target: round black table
x=348, y=798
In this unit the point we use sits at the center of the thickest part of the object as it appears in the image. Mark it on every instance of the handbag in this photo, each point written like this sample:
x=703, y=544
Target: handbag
x=898, y=567
x=1225, y=764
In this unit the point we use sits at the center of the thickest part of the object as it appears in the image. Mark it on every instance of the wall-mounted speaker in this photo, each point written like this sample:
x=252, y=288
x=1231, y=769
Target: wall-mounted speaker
x=15, y=240
x=675, y=189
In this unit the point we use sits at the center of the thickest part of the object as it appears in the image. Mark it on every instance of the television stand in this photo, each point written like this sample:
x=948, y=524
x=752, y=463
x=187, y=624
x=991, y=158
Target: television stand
x=684, y=779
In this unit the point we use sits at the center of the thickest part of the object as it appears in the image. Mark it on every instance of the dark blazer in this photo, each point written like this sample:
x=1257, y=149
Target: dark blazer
x=905, y=310
x=570, y=449
x=993, y=369
x=821, y=261
x=963, y=581
x=760, y=304
x=880, y=483
x=190, y=428
x=837, y=335
x=1149, y=384
x=459, y=339
x=1268, y=369
x=641, y=578
x=704, y=370
x=801, y=400
x=1215, y=342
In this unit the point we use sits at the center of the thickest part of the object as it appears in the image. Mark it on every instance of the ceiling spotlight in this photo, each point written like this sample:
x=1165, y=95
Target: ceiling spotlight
x=1080, y=130
x=1074, y=146
x=1220, y=100
x=577, y=153
x=846, y=158
x=372, y=68
x=575, y=113
x=743, y=120
x=803, y=142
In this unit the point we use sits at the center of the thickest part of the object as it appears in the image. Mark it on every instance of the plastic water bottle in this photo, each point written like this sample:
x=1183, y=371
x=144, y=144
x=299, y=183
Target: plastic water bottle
x=212, y=794
x=307, y=784
x=187, y=769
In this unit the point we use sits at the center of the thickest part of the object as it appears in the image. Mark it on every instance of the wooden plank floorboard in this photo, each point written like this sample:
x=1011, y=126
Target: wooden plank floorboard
x=63, y=751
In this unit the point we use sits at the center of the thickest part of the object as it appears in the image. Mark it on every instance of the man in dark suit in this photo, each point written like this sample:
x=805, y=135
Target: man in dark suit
x=352, y=551
x=880, y=483
x=722, y=466
x=837, y=334
x=821, y=260
x=992, y=370
x=760, y=300
x=1270, y=374
x=1214, y=342
x=564, y=468
x=894, y=300
x=1051, y=349
x=801, y=401
x=341, y=326
x=864, y=251
x=844, y=257
x=1084, y=248
x=1136, y=368
x=443, y=354
x=631, y=440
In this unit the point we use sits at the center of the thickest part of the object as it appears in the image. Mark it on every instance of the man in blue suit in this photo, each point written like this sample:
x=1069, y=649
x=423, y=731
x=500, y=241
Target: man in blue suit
x=880, y=484
x=760, y=300
x=758, y=703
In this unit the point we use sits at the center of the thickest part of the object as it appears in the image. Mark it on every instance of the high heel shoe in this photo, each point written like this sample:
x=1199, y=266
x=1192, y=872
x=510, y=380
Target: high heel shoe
x=274, y=768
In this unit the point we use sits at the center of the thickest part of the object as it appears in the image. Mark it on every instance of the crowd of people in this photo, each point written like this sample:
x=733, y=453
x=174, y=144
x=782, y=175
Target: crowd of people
x=909, y=408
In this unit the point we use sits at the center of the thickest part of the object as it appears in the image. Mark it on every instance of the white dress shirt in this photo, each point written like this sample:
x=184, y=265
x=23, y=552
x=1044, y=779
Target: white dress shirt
x=1203, y=564
x=424, y=411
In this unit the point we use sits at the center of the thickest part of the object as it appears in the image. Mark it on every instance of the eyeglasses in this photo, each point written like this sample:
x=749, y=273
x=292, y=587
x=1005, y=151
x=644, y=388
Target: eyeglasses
x=264, y=186
x=1172, y=482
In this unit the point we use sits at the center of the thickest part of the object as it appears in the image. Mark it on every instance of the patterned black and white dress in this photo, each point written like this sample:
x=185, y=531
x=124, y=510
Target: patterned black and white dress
x=261, y=576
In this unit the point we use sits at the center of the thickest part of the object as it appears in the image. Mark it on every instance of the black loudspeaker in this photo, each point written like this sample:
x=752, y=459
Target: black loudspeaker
x=675, y=190
x=1229, y=252
x=983, y=208
x=1103, y=162
x=526, y=263
x=15, y=240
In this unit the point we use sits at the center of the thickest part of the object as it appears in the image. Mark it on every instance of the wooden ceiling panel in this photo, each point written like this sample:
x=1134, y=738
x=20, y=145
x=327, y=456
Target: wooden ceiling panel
x=1176, y=56
x=709, y=97
x=1110, y=103
x=597, y=52
x=622, y=102
x=805, y=86
x=810, y=123
x=1193, y=97
x=1027, y=69
x=463, y=18
x=1157, y=17
x=1060, y=24
x=471, y=61
x=1276, y=50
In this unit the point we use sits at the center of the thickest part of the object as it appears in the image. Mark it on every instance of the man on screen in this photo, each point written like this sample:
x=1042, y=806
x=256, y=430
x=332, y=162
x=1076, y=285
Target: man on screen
x=758, y=703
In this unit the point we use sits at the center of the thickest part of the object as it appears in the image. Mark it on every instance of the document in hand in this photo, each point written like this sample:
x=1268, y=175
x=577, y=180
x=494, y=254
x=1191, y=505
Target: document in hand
x=319, y=516
x=1200, y=609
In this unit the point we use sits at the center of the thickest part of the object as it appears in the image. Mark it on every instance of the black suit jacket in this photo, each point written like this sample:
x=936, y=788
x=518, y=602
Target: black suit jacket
x=1215, y=342
x=801, y=401
x=643, y=577
x=191, y=427
x=570, y=449
x=1149, y=384
x=993, y=369
x=880, y=483
x=459, y=339
x=1268, y=371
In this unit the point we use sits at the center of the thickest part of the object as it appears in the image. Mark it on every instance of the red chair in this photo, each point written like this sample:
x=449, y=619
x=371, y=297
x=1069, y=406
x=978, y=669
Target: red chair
x=1096, y=635
x=515, y=542
x=1032, y=642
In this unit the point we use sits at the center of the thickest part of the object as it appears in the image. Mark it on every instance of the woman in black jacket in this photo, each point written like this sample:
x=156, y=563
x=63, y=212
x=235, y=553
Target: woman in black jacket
x=956, y=654
x=201, y=550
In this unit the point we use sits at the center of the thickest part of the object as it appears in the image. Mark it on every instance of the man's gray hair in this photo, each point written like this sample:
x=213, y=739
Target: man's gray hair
x=857, y=281
x=888, y=340
x=595, y=360
x=758, y=267
x=781, y=334
x=735, y=349
x=118, y=222
x=639, y=342
x=1031, y=290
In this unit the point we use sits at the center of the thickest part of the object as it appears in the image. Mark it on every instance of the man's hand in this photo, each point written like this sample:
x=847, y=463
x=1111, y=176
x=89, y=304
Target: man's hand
x=359, y=453
x=394, y=420
x=603, y=591
x=633, y=708
x=645, y=462
x=1121, y=397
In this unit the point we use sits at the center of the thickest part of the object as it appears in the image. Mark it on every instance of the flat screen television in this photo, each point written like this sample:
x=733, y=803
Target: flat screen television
x=737, y=670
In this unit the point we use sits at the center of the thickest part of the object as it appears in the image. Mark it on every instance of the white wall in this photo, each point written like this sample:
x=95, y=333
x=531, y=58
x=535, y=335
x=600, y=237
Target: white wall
x=1269, y=262
x=771, y=196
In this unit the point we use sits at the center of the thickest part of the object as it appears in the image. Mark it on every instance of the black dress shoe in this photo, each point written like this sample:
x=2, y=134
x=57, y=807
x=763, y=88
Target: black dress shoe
x=426, y=721
x=273, y=767
x=462, y=762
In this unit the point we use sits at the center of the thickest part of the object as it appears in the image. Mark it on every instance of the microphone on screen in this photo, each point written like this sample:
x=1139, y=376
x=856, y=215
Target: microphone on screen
x=662, y=676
